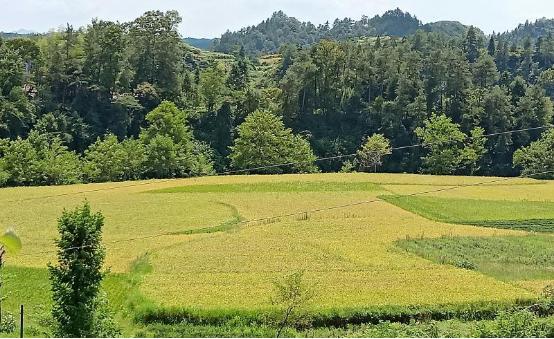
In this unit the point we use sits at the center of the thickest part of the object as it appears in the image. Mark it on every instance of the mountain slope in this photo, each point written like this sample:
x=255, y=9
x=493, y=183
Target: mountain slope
x=280, y=29
x=202, y=43
x=540, y=28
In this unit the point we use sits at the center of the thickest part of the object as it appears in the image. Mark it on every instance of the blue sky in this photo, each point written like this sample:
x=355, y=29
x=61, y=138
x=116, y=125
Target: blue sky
x=210, y=18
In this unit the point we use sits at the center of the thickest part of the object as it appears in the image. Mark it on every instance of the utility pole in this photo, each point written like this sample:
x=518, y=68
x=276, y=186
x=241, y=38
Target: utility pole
x=21, y=323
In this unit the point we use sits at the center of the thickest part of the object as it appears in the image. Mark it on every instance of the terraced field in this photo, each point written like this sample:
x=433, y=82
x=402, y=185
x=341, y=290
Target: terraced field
x=218, y=244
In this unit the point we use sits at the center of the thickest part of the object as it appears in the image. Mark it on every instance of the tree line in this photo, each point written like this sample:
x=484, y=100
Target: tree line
x=123, y=101
x=280, y=29
x=340, y=92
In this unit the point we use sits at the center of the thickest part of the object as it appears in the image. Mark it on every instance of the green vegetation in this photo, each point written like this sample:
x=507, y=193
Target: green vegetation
x=537, y=216
x=78, y=308
x=370, y=156
x=9, y=244
x=507, y=258
x=86, y=104
x=508, y=325
x=538, y=157
x=363, y=254
x=31, y=287
x=447, y=152
x=287, y=186
x=280, y=30
x=230, y=224
x=274, y=145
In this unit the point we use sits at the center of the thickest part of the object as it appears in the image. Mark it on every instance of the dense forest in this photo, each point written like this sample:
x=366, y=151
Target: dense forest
x=119, y=101
x=280, y=29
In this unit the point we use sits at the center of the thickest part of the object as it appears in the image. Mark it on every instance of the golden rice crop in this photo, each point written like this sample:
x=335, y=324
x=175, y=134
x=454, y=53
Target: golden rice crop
x=348, y=253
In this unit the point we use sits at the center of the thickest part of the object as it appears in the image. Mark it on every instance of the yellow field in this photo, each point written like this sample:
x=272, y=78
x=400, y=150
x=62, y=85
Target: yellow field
x=348, y=254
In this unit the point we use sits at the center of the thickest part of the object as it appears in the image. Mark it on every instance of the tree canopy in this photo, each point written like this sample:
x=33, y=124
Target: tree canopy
x=118, y=101
x=263, y=140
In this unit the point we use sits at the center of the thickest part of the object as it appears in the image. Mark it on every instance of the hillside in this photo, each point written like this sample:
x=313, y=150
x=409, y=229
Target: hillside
x=13, y=35
x=280, y=29
x=450, y=28
x=202, y=43
x=532, y=30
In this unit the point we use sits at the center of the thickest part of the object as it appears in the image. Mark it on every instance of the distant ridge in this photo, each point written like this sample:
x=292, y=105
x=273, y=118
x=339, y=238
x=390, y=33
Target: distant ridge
x=201, y=43
x=280, y=29
x=530, y=30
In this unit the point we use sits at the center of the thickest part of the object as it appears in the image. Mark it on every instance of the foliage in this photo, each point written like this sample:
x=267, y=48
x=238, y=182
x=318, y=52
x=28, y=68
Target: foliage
x=373, y=150
x=291, y=295
x=76, y=279
x=537, y=158
x=281, y=29
x=263, y=140
x=7, y=323
x=169, y=147
x=155, y=52
x=10, y=242
x=335, y=84
x=445, y=142
x=105, y=160
x=212, y=86
x=38, y=160
x=517, y=324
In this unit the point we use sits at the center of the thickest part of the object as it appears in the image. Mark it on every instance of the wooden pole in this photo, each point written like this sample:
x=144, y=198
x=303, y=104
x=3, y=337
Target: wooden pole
x=21, y=323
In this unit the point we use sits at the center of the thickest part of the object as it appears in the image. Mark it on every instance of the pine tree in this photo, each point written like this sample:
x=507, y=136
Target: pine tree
x=471, y=45
x=491, y=48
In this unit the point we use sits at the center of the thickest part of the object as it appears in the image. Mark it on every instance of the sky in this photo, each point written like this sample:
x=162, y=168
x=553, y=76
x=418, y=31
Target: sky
x=211, y=18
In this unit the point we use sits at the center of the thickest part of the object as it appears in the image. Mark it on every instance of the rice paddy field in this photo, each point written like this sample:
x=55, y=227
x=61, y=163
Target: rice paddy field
x=216, y=245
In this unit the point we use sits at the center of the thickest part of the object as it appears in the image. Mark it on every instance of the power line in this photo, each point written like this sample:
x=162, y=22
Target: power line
x=306, y=212
x=158, y=181
x=490, y=135
x=247, y=170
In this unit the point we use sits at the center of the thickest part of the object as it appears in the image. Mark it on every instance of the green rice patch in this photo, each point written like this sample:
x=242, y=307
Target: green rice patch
x=535, y=216
x=262, y=187
x=508, y=258
x=533, y=225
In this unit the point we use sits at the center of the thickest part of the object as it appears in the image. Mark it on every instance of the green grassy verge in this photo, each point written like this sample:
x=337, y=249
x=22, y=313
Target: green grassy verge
x=327, y=318
x=532, y=225
x=274, y=187
x=520, y=325
x=508, y=258
x=536, y=216
x=31, y=287
x=224, y=226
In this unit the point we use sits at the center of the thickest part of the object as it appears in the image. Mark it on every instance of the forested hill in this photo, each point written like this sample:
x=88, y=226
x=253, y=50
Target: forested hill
x=280, y=29
x=201, y=43
x=120, y=101
x=533, y=31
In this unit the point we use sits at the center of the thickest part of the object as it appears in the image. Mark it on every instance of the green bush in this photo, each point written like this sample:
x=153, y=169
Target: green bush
x=263, y=140
x=170, y=148
x=465, y=264
x=7, y=325
x=517, y=324
x=104, y=160
x=38, y=160
x=537, y=157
